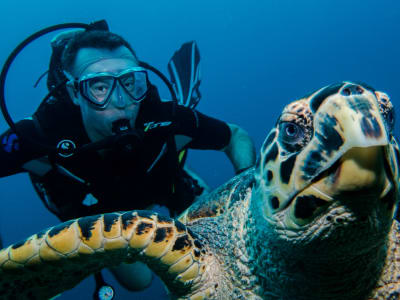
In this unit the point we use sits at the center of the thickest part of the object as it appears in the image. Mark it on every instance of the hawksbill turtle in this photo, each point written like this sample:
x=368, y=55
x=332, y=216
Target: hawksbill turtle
x=313, y=219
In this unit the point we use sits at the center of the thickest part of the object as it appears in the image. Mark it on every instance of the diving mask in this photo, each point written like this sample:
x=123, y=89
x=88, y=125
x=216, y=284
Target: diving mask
x=97, y=88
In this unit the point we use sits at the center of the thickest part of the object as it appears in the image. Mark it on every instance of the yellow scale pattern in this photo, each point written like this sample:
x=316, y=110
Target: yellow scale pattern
x=141, y=235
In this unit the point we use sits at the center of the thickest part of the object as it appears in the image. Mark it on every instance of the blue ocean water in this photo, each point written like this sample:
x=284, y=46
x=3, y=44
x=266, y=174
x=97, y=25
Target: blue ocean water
x=256, y=57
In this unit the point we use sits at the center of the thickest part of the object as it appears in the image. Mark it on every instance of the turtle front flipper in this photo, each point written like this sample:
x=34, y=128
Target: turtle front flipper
x=58, y=258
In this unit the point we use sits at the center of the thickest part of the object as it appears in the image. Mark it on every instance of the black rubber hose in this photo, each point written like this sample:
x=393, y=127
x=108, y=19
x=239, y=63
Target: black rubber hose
x=11, y=58
x=163, y=78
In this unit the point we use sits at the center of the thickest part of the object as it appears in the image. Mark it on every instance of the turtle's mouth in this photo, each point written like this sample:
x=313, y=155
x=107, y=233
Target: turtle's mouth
x=364, y=171
x=360, y=177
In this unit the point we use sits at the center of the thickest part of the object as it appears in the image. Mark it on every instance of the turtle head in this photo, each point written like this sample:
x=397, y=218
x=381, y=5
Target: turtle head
x=330, y=159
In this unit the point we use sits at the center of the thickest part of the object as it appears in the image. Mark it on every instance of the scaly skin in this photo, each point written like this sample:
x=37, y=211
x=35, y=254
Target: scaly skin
x=312, y=221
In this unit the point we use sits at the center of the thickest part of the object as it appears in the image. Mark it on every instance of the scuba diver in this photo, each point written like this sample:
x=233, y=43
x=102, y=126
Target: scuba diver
x=104, y=141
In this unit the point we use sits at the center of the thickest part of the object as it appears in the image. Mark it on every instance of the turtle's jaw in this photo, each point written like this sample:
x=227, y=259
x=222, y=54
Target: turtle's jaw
x=361, y=180
x=360, y=170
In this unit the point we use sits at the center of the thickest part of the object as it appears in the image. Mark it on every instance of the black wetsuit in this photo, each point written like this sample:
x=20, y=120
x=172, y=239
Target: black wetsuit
x=123, y=178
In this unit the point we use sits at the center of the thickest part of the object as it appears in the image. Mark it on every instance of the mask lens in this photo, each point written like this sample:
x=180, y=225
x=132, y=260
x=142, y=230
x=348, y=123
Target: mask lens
x=98, y=89
x=135, y=84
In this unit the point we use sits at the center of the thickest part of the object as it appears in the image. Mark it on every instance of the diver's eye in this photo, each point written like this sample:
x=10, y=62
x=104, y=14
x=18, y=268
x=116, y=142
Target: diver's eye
x=291, y=136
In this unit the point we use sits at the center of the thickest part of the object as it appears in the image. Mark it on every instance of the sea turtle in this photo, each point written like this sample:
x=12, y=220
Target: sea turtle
x=314, y=219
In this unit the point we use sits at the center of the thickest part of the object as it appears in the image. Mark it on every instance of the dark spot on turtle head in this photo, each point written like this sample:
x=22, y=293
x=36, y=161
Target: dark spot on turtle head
x=274, y=201
x=109, y=221
x=86, y=225
x=329, y=137
x=182, y=242
x=127, y=219
x=319, y=98
x=270, y=175
x=180, y=227
x=143, y=227
x=161, y=234
x=370, y=127
x=272, y=154
x=57, y=229
x=312, y=164
x=269, y=140
x=359, y=105
x=306, y=205
x=316, y=156
x=19, y=244
x=287, y=168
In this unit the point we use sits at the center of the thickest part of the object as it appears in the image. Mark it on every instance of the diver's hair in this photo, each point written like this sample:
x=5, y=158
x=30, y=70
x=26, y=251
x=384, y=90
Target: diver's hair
x=99, y=39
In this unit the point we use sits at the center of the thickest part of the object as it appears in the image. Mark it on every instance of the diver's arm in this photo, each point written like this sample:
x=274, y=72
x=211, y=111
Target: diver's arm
x=240, y=150
x=204, y=132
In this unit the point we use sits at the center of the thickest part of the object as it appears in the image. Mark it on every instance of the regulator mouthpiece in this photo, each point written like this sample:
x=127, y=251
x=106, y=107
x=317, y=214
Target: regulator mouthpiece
x=121, y=126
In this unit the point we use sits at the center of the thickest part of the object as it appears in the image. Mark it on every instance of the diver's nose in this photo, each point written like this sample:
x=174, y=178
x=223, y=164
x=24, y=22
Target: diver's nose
x=119, y=99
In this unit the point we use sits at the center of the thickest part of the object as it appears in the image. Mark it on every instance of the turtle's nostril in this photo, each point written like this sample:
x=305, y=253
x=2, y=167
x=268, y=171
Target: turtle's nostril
x=346, y=92
x=352, y=90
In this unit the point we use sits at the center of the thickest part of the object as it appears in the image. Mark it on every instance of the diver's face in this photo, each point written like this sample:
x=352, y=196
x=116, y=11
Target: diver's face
x=98, y=122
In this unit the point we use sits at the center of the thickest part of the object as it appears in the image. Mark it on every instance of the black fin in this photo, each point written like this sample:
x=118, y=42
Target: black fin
x=184, y=70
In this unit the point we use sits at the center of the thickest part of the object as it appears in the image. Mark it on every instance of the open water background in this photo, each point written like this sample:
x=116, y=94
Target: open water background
x=256, y=57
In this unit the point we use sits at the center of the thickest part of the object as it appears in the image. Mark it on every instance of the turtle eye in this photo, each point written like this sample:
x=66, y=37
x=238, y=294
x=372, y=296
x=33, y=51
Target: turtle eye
x=387, y=110
x=389, y=119
x=291, y=136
